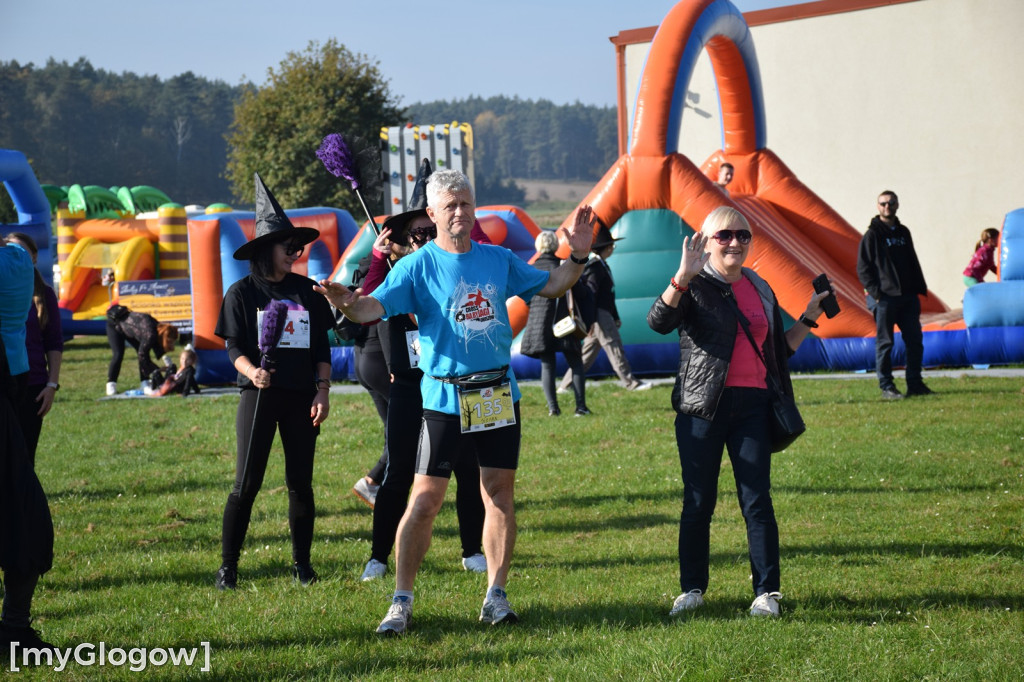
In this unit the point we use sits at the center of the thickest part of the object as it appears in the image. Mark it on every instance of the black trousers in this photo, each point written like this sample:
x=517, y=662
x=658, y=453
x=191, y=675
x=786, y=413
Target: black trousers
x=287, y=412
x=903, y=312
x=405, y=415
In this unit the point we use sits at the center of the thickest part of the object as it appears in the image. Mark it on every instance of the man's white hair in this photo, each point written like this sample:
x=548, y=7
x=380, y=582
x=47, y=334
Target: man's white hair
x=448, y=181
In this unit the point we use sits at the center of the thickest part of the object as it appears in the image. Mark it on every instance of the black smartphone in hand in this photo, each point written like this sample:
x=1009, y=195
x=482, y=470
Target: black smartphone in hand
x=829, y=304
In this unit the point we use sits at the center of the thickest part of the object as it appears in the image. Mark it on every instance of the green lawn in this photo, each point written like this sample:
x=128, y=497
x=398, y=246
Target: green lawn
x=901, y=527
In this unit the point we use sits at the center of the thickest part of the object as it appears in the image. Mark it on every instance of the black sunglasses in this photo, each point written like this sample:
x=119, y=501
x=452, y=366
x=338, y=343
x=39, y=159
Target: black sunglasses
x=888, y=203
x=725, y=237
x=291, y=249
x=422, y=235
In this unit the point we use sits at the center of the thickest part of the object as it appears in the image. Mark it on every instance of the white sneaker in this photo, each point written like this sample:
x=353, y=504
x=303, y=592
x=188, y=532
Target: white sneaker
x=766, y=604
x=476, y=563
x=496, y=610
x=397, y=619
x=374, y=569
x=687, y=602
x=366, y=491
x=641, y=386
x=111, y=388
x=562, y=390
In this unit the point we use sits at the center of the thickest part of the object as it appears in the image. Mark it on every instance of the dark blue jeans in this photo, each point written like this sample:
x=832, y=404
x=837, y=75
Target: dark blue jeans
x=742, y=426
x=904, y=312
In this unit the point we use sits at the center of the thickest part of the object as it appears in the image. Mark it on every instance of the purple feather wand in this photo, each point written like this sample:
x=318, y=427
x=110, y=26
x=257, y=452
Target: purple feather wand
x=272, y=327
x=342, y=161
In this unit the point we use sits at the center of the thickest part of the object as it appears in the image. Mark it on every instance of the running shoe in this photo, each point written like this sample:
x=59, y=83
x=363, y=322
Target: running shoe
x=397, y=619
x=496, y=609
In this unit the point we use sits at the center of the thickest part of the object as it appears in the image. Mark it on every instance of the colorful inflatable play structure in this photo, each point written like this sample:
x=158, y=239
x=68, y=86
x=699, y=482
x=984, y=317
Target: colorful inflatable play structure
x=654, y=196
x=133, y=249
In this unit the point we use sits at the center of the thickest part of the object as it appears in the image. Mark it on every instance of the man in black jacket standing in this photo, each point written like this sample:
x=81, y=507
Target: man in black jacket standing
x=888, y=267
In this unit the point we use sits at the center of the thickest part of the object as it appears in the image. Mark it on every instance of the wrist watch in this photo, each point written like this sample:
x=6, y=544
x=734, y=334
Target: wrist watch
x=53, y=384
x=809, y=322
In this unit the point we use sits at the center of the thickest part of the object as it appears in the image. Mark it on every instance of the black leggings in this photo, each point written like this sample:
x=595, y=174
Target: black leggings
x=287, y=411
x=548, y=376
x=372, y=373
x=404, y=417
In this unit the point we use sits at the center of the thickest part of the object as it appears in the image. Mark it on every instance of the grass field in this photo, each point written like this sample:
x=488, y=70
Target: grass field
x=901, y=528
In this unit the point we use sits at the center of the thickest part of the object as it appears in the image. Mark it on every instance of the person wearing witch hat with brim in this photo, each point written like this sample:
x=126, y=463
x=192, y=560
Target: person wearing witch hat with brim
x=275, y=328
x=401, y=235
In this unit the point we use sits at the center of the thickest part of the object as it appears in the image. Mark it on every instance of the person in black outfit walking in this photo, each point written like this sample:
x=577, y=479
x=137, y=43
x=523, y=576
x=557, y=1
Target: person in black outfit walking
x=289, y=393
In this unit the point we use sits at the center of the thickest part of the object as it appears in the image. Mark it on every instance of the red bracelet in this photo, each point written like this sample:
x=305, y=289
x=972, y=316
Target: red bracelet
x=675, y=285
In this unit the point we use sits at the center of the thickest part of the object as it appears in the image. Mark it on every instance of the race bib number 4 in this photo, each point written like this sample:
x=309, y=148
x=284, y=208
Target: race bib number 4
x=296, y=329
x=486, y=408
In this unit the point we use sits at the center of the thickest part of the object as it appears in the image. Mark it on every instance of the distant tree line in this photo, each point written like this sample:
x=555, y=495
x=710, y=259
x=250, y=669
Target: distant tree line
x=77, y=124
x=199, y=140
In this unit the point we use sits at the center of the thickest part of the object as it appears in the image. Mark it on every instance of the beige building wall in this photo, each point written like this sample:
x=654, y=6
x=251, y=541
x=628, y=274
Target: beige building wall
x=925, y=98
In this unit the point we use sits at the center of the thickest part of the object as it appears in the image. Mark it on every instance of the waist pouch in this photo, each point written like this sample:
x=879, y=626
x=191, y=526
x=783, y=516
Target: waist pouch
x=475, y=380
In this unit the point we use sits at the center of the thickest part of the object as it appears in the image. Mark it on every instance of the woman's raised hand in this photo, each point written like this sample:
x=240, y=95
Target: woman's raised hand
x=693, y=258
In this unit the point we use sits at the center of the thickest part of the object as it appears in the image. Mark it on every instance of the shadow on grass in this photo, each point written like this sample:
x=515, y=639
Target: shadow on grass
x=896, y=608
x=877, y=490
x=864, y=552
x=88, y=491
x=602, y=523
x=580, y=501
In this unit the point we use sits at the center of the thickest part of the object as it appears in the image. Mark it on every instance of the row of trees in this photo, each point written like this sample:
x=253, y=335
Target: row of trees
x=77, y=124
x=200, y=141
x=516, y=138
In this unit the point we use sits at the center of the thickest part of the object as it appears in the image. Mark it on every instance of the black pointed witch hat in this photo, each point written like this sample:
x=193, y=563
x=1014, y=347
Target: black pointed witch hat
x=272, y=225
x=417, y=205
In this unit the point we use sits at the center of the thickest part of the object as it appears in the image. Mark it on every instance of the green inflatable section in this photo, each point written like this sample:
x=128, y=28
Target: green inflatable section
x=643, y=262
x=356, y=251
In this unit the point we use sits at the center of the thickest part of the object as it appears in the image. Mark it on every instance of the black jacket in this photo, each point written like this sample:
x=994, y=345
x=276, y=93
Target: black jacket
x=598, y=277
x=707, y=329
x=538, y=338
x=876, y=269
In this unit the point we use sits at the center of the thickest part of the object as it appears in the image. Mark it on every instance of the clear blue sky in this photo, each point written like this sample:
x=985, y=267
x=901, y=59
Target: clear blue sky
x=452, y=49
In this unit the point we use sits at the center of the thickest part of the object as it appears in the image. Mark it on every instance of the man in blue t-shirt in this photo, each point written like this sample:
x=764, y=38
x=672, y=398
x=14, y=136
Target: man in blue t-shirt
x=457, y=289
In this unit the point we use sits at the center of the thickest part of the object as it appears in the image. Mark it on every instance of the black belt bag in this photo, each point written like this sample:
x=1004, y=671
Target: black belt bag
x=484, y=379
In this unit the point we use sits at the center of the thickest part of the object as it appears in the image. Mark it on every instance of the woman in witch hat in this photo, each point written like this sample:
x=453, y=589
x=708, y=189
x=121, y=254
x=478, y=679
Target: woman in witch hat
x=275, y=328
